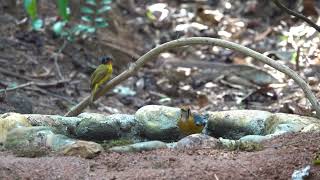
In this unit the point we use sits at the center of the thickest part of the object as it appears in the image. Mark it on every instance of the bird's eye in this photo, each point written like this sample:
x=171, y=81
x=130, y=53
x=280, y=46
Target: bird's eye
x=199, y=124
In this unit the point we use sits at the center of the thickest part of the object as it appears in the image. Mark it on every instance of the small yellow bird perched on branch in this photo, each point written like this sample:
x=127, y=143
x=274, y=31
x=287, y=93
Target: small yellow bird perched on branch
x=191, y=123
x=101, y=75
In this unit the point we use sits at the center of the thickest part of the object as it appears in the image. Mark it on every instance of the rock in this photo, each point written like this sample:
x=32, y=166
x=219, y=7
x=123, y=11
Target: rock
x=254, y=138
x=311, y=128
x=197, y=141
x=35, y=137
x=59, y=124
x=236, y=123
x=240, y=145
x=30, y=141
x=280, y=123
x=256, y=126
x=138, y=147
x=84, y=149
x=100, y=127
x=301, y=174
x=158, y=122
x=10, y=121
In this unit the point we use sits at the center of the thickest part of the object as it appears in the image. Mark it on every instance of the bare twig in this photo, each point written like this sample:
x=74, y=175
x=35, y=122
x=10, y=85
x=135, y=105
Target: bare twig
x=298, y=60
x=193, y=41
x=17, y=87
x=4, y=71
x=56, y=56
x=39, y=84
x=41, y=90
x=298, y=15
x=51, y=84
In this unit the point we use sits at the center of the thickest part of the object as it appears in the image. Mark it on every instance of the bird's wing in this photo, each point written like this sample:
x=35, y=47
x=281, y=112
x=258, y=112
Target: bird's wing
x=98, y=75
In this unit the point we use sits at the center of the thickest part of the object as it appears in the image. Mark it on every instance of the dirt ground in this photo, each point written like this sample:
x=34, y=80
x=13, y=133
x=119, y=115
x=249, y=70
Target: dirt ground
x=279, y=158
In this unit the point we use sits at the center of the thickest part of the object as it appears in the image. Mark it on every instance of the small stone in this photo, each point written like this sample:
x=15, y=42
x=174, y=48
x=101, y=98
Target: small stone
x=84, y=149
x=138, y=147
x=197, y=141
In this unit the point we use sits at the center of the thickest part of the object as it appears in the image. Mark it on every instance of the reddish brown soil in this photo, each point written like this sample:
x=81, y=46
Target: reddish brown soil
x=280, y=157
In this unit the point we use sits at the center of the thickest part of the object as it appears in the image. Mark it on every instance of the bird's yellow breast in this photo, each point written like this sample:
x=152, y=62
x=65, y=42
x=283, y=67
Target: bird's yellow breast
x=108, y=69
x=188, y=126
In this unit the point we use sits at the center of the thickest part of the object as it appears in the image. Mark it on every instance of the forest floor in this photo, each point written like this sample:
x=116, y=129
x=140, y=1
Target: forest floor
x=278, y=160
x=42, y=84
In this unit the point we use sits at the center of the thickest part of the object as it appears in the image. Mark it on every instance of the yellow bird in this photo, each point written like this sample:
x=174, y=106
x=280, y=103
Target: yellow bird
x=101, y=75
x=190, y=123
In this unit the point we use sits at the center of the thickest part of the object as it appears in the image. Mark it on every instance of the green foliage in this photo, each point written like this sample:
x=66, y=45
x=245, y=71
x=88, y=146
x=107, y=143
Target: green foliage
x=93, y=16
x=31, y=8
x=63, y=10
x=107, y=144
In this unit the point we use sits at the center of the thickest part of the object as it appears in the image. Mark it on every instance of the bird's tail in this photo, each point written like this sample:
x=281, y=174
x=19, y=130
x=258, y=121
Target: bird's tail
x=93, y=92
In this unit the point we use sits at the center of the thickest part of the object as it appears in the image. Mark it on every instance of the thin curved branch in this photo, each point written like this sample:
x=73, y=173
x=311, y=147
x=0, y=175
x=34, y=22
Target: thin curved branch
x=295, y=14
x=193, y=41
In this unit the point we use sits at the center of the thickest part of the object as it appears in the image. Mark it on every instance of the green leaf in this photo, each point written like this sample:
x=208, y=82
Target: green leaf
x=106, y=1
x=102, y=24
x=37, y=24
x=31, y=8
x=78, y=29
x=83, y=29
x=57, y=28
x=86, y=18
x=91, y=30
x=103, y=9
x=91, y=2
x=63, y=9
x=87, y=10
x=100, y=19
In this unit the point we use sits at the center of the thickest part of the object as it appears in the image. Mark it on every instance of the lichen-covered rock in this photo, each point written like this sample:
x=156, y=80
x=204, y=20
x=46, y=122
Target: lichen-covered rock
x=33, y=137
x=197, y=141
x=236, y=123
x=158, y=122
x=280, y=123
x=84, y=149
x=10, y=121
x=240, y=145
x=59, y=124
x=30, y=141
x=101, y=127
x=256, y=126
x=138, y=147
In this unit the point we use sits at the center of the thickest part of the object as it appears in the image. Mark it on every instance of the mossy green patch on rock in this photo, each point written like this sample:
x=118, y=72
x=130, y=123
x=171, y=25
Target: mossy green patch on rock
x=99, y=127
x=240, y=145
x=107, y=144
